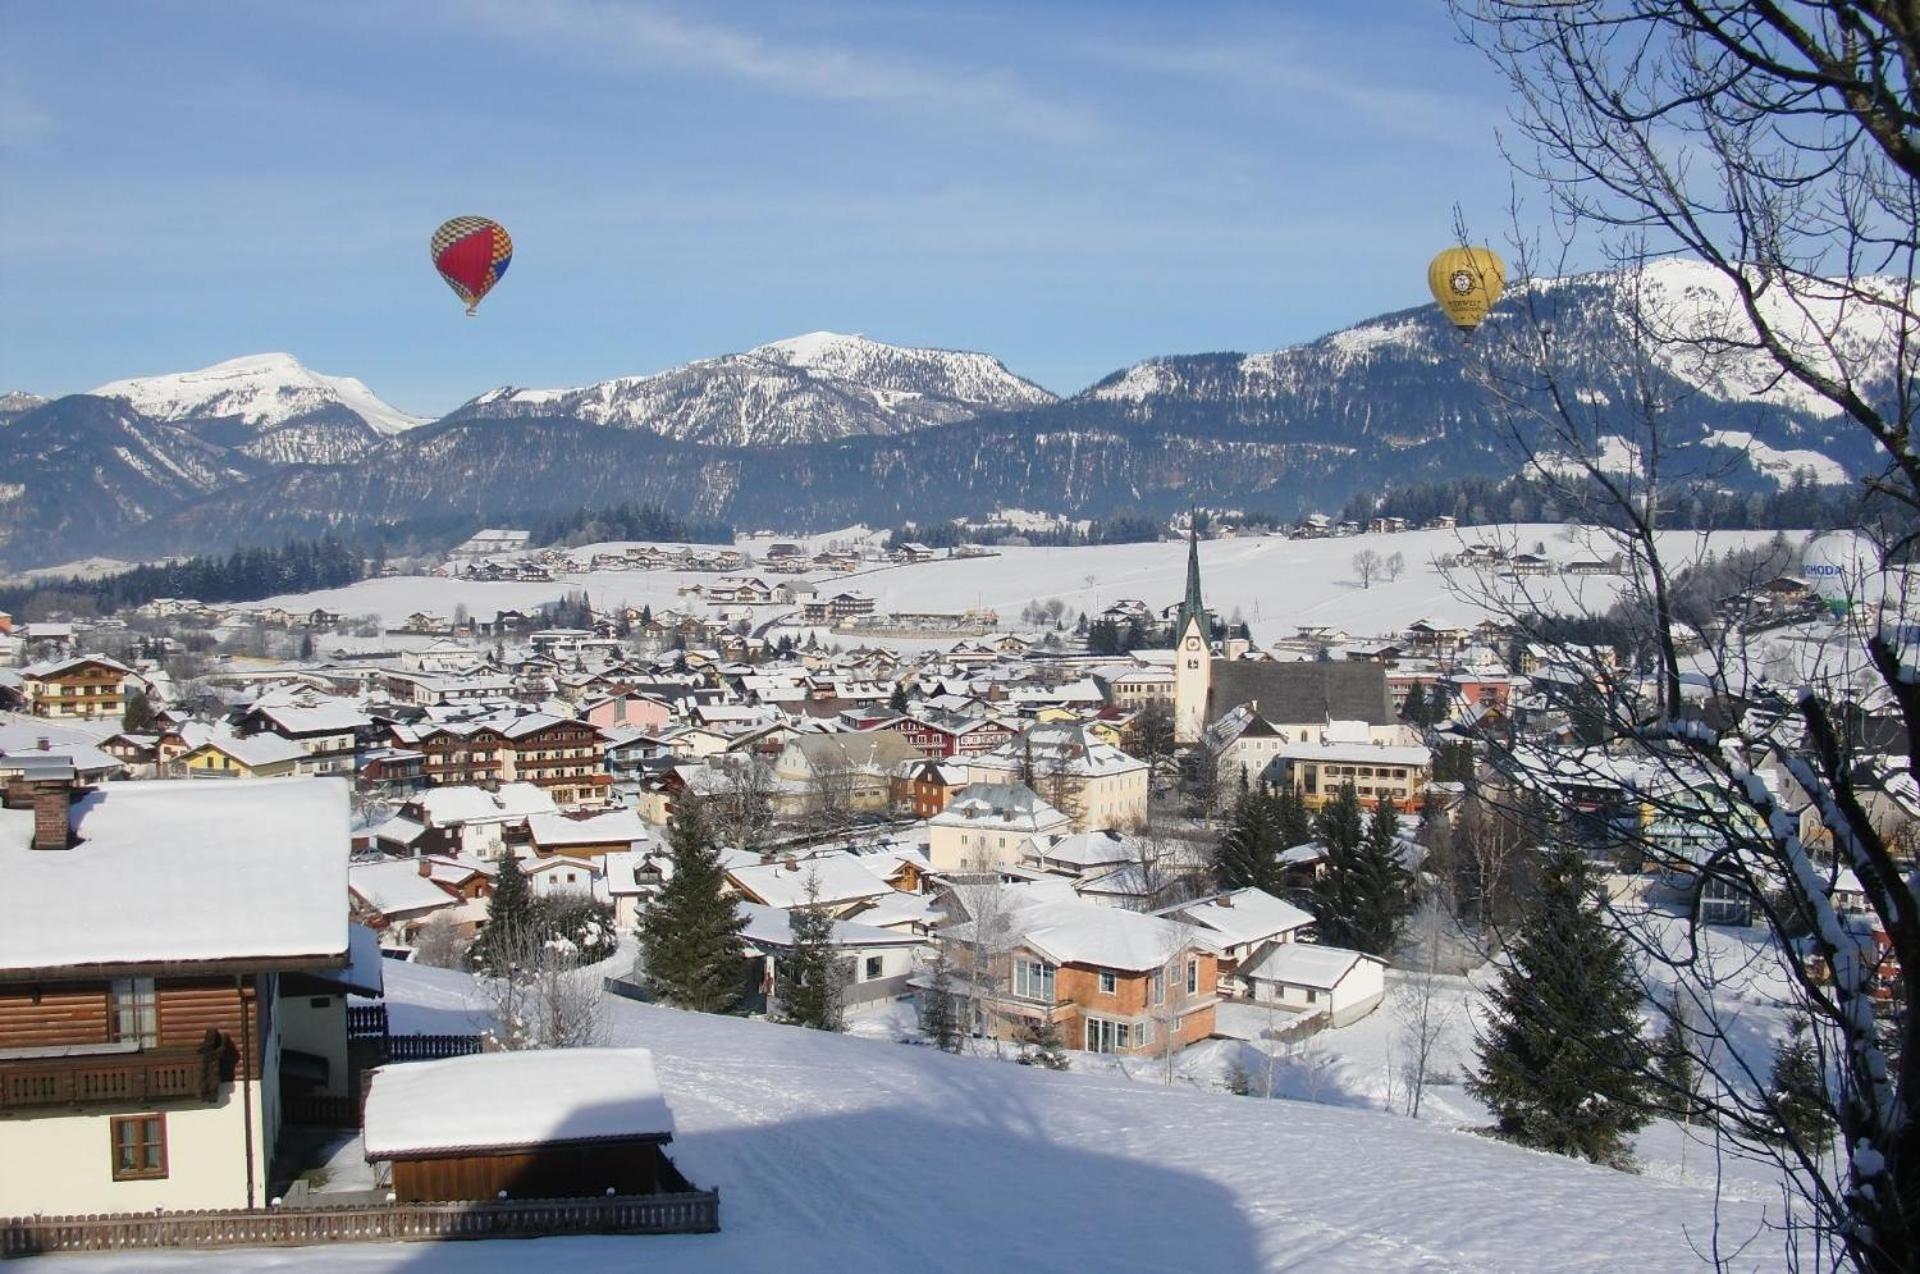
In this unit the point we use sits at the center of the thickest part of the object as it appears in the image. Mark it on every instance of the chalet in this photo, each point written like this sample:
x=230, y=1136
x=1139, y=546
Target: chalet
x=558, y=754
x=552, y=1123
x=939, y=736
x=146, y=1060
x=469, y=821
x=397, y=897
x=87, y=686
x=912, y=551
x=1529, y=564
x=1111, y=981
x=264, y=756
x=326, y=733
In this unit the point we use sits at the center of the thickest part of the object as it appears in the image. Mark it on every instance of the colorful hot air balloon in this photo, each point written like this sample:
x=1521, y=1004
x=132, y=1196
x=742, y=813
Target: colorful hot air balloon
x=471, y=254
x=1466, y=282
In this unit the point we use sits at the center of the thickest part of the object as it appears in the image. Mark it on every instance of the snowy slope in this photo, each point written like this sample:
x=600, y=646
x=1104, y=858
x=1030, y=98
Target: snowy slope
x=850, y=1155
x=261, y=391
x=810, y=388
x=18, y=402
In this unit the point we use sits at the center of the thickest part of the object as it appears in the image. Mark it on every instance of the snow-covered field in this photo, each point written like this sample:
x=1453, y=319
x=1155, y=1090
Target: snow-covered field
x=847, y=1154
x=1275, y=584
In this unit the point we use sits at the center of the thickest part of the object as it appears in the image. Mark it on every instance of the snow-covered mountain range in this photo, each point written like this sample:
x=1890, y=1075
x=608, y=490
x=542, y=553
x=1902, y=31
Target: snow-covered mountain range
x=270, y=407
x=812, y=388
x=827, y=429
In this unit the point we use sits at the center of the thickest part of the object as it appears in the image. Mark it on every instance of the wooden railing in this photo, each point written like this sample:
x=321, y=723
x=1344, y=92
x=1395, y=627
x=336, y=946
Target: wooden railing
x=431, y=1048
x=692, y=1212
x=366, y=1021
x=152, y=1074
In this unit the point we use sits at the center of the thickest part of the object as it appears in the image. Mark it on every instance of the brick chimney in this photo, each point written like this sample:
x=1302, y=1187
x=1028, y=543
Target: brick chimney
x=51, y=829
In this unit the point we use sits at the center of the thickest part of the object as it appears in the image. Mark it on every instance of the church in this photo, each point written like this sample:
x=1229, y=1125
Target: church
x=1290, y=702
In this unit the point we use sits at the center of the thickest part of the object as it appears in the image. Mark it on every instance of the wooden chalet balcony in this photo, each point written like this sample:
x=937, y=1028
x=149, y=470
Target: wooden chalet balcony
x=137, y=1076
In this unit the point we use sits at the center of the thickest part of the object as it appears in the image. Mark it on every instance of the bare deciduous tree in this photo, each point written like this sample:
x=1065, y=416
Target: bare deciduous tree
x=1778, y=144
x=1367, y=567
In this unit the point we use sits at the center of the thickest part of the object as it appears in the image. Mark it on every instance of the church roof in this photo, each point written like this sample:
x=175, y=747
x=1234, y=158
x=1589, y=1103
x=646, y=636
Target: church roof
x=1301, y=693
x=1192, y=605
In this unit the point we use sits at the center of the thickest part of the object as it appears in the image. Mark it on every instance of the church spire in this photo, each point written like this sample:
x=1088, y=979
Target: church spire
x=1192, y=606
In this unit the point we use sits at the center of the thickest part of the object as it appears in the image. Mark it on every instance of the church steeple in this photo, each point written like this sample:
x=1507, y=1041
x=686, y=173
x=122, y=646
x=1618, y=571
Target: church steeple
x=1192, y=607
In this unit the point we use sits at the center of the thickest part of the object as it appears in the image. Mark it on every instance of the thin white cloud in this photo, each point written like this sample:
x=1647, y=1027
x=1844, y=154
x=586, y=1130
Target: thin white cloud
x=817, y=71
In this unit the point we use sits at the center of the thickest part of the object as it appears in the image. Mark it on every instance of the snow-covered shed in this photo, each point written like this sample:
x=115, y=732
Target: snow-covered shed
x=542, y=1124
x=1345, y=985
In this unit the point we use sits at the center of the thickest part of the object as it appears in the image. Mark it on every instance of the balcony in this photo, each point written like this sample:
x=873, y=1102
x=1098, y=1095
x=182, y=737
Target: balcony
x=109, y=1075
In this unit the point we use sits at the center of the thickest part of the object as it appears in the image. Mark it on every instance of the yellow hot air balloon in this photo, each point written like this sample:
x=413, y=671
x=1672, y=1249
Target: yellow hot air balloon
x=1466, y=282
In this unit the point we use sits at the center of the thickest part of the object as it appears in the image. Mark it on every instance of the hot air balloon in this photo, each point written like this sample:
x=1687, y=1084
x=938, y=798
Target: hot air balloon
x=471, y=254
x=1466, y=282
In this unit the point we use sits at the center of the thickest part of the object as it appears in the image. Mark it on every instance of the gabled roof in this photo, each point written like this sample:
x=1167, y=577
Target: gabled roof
x=1306, y=964
x=784, y=883
x=1243, y=915
x=1304, y=693
x=1077, y=932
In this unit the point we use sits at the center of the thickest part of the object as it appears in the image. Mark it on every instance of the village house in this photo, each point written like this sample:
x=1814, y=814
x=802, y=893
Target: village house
x=879, y=963
x=1093, y=783
x=922, y=788
x=145, y=1063
x=1343, y=985
x=471, y=822
x=86, y=686
x=326, y=733
x=558, y=754
x=264, y=756
x=843, y=884
x=1243, y=923
x=989, y=824
x=1377, y=772
x=1111, y=981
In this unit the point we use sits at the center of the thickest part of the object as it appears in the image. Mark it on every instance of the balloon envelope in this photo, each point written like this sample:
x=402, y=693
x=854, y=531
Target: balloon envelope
x=1466, y=282
x=471, y=253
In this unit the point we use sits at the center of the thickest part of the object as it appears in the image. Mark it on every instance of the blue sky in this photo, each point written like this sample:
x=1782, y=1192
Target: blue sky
x=1070, y=186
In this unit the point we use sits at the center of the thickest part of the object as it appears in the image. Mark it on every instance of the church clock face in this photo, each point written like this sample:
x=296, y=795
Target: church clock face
x=1193, y=643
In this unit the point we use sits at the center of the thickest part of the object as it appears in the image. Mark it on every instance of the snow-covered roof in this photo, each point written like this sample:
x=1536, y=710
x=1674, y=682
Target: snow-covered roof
x=1078, y=932
x=445, y=806
x=1244, y=915
x=332, y=717
x=1357, y=753
x=551, y=830
x=1305, y=964
x=500, y=1101
x=396, y=887
x=842, y=879
x=257, y=751
x=773, y=927
x=168, y=872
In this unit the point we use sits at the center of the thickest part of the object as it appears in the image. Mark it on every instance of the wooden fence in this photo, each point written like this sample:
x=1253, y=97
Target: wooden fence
x=366, y=1021
x=694, y=1212
x=431, y=1048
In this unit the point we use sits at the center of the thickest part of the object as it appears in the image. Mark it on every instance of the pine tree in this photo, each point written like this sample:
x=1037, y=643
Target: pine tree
x=1673, y=1061
x=1247, y=852
x=1364, y=894
x=897, y=702
x=1803, y=1115
x=513, y=921
x=809, y=982
x=939, y=1019
x=1562, y=1063
x=1293, y=823
x=1042, y=1045
x=690, y=936
x=138, y=713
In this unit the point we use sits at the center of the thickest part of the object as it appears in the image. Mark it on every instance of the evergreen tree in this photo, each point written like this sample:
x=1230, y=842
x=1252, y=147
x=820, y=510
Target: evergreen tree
x=939, y=1017
x=138, y=713
x=809, y=981
x=690, y=935
x=1041, y=1045
x=1803, y=1116
x=897, y=702
x=1293, y=822
x=1562, y=1063
x=513, y=921
x=1673, y=1061
x=1364, y=894
x=1248, y=850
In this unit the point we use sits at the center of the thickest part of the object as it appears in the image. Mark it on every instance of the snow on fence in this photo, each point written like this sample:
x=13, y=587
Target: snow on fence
x=692, y=1212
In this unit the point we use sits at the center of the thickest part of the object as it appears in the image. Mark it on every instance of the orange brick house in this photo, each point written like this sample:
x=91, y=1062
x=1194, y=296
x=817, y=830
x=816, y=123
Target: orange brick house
x=1112, y=981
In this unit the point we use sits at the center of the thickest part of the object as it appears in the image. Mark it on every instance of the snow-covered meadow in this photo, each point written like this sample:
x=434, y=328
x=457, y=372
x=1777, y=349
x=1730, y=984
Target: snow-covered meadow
x=1273, y=583
x=848, y=1155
